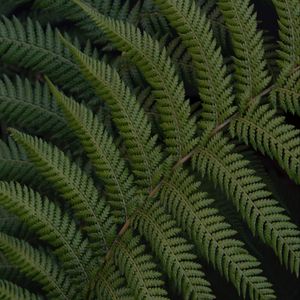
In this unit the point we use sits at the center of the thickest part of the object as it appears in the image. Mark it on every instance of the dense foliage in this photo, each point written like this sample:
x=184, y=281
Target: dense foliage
x=149, y=149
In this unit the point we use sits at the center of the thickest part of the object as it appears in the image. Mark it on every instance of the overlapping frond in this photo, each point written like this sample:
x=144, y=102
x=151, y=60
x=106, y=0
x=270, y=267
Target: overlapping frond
x=251, y=73
x=212, y=236
x=75, y=186
x=111, y=284
x=264, y=216
x=174, y=252
x=289, y=32
x=127, y=114
x=50, y=224
x=286, y=92
x=41, y=50
x=10, y=291
x=31, y=107
x=103, y=153
x=12, y=225
x=117, y=9
x=267, y=132
x=195, y=30
x=141, y=272
x=39, y=266
x=15, y=165
x=120, y=213
x=179, y=129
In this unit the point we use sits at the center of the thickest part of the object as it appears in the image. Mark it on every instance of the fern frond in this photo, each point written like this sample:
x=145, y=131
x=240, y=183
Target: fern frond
x=179, y=129
x=250, y=65
x=50, y=224
x=30, y=46
x=117, y=9
x=15, y=165
x=142, y=274
x=152, y=21
x=195, y=30
x=103, y=153
x=39, y=266
x=127, y=114
x=289, y=32
x=31, y=107
x=286, y=92
x=75, y=186
x=264, y=216
x=175, y=254
x=213, y=13
x=267, y=132
x=111, y=284
x=10, y=291
x=212, y=236
x=12, y=225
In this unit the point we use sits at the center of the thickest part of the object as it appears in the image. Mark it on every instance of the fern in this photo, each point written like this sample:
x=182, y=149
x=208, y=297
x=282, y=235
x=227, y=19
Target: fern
x=9, y=291
x=250, y=64
x=213, y=83
x=75, y=186
x=39, y=266
x=173, y=251
x=31, y=108
x=33, y=47
x=141, y=164
x=212, y=236
x=50, y=224
x=111, y=284
x=103, y=153
x=270, y=134
x=160, y=74
x=140, y=272
x=116, y=9
x=15, y=165
x=263, y=214
x=128, y=116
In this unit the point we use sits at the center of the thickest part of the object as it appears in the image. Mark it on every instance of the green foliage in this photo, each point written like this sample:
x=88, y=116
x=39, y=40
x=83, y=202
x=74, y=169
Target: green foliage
x=173, y=250
x=141, y=164
x=37, y=265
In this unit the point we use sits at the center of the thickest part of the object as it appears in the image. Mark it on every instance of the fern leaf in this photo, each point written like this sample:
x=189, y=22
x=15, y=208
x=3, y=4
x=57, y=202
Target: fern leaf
x=10, y=291
x=289, y=32
x=141, y=272
x=46, y=219
x=111, y=284
x=178, y=127
x=39, y=266
x=103, y=153
x=12, y=225
x=250, y=65
x=286, y=92
x=15, y=165
x=264, y=215
x=195, y=30
x=269, y=133
x=75, y=186
x=127, y=114
x=31, y=47
x=31, y=108
x=117, y=9
x=212, y=236
x=174, y=252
